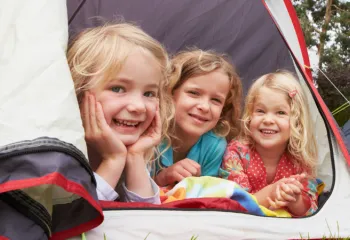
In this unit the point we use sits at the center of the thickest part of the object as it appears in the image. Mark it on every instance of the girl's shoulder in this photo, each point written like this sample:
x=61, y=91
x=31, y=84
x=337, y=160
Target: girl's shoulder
x=238, y=146
x=212, y=135
x=211, y=138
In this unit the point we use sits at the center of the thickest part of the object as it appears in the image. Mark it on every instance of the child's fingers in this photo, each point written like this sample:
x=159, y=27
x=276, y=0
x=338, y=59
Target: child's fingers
x=296, y=183
x=280, y=204
x=303, y=176
x=190, y=168
x=287, y=197
x=278, y=192
x=286, y=188
x=100, y=118
x=272, y=203
x=157, y=123
x=92, y=114
x=299, y=177
x=295, y=188
x=193, y=163
x=177, y=177
x=277, y=203
x=85, y=112
x=287, y=193
x=183, y=172
x=196, y=165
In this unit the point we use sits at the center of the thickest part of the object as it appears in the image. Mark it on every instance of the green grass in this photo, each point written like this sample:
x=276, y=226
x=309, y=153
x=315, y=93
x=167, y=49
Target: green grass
x=83, y=237
x=331, y=235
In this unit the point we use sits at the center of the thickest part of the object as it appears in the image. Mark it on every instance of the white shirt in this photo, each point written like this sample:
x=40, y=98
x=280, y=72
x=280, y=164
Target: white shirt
x=107, y=193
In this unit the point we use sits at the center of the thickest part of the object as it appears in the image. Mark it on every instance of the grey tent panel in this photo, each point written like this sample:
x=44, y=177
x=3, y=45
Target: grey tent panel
x=253, y=43
x=17, y=226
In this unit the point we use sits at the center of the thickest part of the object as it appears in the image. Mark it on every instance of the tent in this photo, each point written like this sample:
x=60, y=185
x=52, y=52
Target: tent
x=52, y=175
x=346, y=132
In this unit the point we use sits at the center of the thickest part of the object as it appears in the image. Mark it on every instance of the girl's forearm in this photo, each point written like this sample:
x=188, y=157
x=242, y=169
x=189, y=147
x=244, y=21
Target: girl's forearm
x=261, y=196
x=111, y=170
x=137, y=179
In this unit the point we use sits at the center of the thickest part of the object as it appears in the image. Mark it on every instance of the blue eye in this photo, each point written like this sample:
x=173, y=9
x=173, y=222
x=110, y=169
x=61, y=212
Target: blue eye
x=150, y=94
x=117, y=89
x=281, y=112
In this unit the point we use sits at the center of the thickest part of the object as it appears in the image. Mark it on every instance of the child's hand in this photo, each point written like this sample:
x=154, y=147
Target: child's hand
x=150, y=138
x=178, y=171
x=98, y=134
x=287, y=190
x=299, y=177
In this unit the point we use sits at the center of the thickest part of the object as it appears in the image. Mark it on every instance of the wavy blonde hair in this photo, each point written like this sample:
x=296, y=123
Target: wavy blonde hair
x=103, y=50
x=302, y=144
x=193, y=63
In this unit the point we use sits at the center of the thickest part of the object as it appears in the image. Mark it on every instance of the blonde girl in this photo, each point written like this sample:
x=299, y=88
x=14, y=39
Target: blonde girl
x=120, y=77
x=206, y=93
x=275, y=159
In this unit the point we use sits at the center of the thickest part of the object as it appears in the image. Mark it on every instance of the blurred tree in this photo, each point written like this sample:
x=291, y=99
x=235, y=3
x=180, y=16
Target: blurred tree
x=326, y=27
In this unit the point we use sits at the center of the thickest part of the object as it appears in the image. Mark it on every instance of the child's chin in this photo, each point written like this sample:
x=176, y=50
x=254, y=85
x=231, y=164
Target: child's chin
x=128, y=141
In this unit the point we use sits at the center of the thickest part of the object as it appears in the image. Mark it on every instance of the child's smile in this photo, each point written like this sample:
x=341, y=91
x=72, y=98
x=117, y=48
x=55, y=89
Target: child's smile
x=198, y=118
x=126, y=126
x=268, y=132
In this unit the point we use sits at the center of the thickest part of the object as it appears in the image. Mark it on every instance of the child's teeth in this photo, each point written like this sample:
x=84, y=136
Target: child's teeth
x=268, y=131
x=129, y=123
x=119, y=123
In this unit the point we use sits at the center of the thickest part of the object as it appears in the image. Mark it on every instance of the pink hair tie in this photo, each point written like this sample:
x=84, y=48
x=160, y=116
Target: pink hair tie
x=292, y=93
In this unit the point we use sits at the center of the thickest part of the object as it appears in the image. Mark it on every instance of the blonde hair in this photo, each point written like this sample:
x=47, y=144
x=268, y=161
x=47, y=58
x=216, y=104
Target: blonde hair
x=103, y=50
x=193, y=63
x=302, y=144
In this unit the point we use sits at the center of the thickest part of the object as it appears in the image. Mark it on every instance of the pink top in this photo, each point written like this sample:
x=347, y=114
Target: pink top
x=245, y=167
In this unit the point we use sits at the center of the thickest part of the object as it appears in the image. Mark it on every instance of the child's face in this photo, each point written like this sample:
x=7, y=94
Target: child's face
x=129, y=101
x=199, y=102
x=269, y=124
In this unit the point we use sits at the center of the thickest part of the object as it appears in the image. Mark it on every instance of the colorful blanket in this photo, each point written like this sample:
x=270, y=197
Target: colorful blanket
x=206, y=187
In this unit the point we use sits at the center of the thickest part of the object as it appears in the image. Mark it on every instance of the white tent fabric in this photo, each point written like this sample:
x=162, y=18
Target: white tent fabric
x=43, y=62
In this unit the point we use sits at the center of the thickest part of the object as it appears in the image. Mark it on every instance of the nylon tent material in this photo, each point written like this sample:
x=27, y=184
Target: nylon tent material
x=47, y=188
x=346, y=131
x=260, y=37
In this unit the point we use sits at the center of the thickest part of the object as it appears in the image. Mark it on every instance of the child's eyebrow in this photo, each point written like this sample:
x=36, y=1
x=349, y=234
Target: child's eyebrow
x=131, y=82
x=122, y=80
x=153, y=85
x=259, y=104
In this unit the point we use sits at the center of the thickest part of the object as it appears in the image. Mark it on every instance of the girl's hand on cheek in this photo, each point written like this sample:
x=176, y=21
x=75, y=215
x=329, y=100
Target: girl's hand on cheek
x=98, y=134
x=178, y=171
x=150, y=138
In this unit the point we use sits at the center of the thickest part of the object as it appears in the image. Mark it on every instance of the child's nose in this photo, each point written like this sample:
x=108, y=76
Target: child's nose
x=136, y=104
x=203, y=105
x=268, y=118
